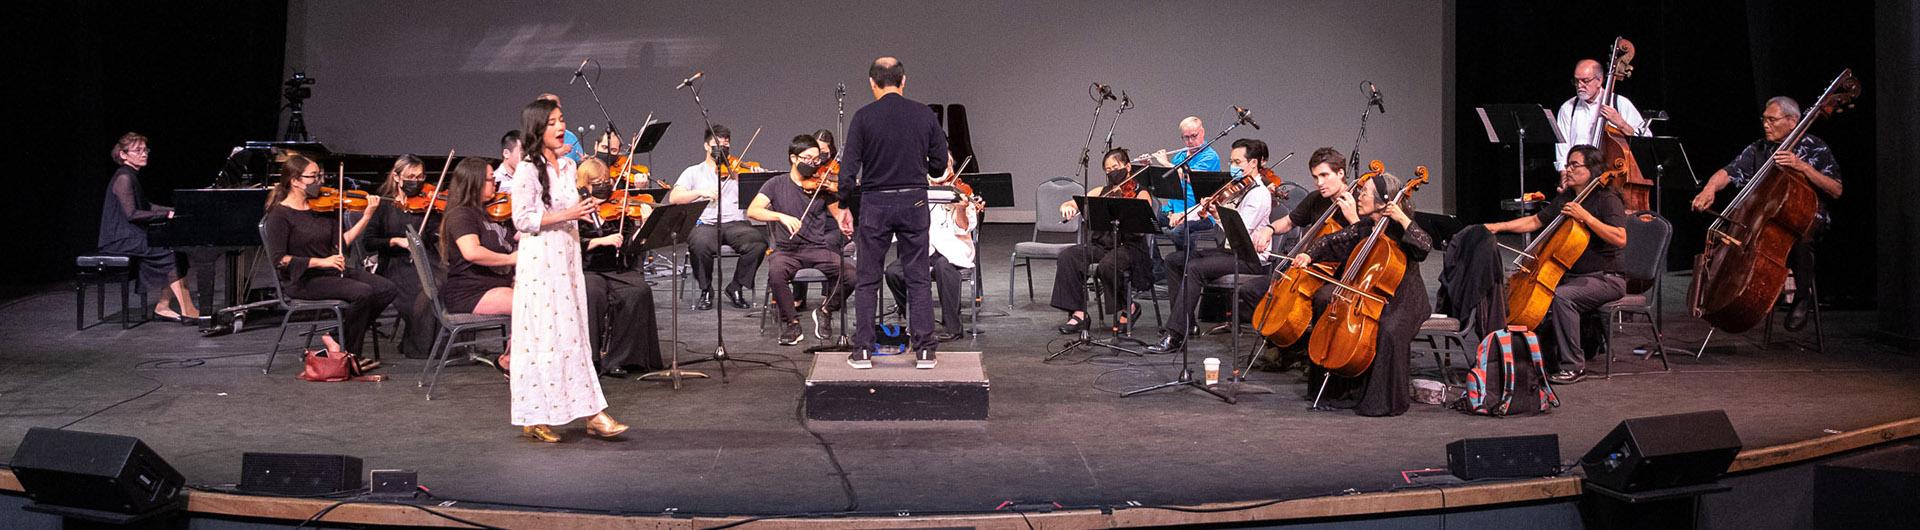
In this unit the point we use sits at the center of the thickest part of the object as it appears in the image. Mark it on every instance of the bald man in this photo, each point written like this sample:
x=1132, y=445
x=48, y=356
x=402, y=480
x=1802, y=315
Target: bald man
x=1576, y=117
x=893, y=145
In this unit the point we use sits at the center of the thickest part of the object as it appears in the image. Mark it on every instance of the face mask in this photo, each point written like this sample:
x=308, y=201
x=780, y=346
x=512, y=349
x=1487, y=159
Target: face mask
x=716, y=154
x=1235, y=171
x=602, y=191
x=411, y=187
x=1115, y=176
x=807, y=169
x=312, y=190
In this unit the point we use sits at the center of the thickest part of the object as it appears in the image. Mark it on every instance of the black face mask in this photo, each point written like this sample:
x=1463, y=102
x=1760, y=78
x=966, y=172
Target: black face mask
x=717, y=154
x=807, y=169
x=602, y=191
x=411, y=187
x=312, y=190
x=1115, y=176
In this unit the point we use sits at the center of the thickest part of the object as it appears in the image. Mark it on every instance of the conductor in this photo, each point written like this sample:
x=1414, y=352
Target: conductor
x=893, y=144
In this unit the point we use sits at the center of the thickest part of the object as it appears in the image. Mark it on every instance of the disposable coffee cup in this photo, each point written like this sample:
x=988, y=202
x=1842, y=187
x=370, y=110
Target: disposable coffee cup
x=1213, y=370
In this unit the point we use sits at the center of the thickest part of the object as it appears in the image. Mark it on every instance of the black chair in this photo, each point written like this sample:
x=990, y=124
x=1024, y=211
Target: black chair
x=1646, y=261
x=294, y=307
x=453, y=326
x=100, y=271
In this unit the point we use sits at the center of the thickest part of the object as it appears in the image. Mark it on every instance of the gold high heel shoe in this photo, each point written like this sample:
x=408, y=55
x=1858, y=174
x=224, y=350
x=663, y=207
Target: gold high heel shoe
x=605, y=426
x=540, y=433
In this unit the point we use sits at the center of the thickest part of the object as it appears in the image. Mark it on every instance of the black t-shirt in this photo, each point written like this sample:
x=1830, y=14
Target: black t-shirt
x=472, y=220
x=818, y=228
x=1309, y=210
x=1605, y=204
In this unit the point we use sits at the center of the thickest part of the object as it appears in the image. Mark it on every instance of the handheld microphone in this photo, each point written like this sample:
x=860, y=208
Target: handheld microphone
x=1378, y=102
x=684, y=83
x=578, y=72
x=1245, y=116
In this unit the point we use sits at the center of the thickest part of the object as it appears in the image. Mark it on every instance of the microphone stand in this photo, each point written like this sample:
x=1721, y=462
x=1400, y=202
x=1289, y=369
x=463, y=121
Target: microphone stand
x=1353, y=156
x=721, y=168
x=1080, y=236
x=611, y=129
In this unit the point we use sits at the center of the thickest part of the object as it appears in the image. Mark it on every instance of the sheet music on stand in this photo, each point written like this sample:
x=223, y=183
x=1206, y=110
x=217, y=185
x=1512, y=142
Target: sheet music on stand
x=1519, y=124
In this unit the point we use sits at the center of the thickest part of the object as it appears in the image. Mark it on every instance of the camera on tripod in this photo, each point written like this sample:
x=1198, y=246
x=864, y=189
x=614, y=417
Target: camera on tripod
x=299, y=88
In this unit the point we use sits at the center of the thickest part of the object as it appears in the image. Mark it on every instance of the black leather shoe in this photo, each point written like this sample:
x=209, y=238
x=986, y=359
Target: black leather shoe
x=616, y=373
x=1797, y=316
x=947, y=336
x=705, y=301
x=738, y=299
x=1169, y=343
x=1123, y=321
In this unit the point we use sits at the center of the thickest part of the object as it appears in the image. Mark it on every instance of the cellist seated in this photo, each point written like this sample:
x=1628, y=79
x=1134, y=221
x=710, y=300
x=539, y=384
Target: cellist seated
x=1593, y=280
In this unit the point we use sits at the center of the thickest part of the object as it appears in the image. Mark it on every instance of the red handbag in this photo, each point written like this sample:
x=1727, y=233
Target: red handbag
x=328, y=366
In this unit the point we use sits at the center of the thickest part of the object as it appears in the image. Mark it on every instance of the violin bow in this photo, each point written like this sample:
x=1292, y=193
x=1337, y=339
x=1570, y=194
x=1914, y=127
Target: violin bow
x=437, y=183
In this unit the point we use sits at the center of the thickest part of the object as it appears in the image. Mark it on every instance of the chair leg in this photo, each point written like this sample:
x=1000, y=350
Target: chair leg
x=284, y=320
x=1030, y=298
x=1819, y=333
x=126, y=314
x=1659, y=343
x=446, y=350
x=79, y=305
x=432, y=350
x=1012, y=263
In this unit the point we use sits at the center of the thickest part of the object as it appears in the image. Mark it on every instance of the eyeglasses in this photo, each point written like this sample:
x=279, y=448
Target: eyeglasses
x=1770, y=120
x=1577, y=81
x=1576, y=165
x=809, y=158
x=140, y=151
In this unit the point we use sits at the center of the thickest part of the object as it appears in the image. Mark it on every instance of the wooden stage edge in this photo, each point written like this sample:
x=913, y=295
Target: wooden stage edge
x=1410, y=500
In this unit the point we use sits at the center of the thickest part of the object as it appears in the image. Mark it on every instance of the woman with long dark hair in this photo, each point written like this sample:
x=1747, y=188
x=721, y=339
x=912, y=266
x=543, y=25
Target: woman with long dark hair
x=121, y=232
x=386, y=242
x=306, y=249
x=553, y=379
x=479, y=250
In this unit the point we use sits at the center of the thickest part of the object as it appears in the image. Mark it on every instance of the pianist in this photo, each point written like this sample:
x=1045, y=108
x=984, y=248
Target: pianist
x=121, y=216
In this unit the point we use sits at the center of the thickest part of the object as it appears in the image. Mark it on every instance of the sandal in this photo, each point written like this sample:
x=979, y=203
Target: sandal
x=1075, y=324
x=1123, y=321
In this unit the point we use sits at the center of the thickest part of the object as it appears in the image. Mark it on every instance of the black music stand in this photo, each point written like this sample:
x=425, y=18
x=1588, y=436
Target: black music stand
x=649, y=137
x=755, y=180
x=1663, y=157
x=1519, y=124
x=668, y=226
x=1120, y=216
x=1205, y=183
x=995, y=188
x=1240, y=244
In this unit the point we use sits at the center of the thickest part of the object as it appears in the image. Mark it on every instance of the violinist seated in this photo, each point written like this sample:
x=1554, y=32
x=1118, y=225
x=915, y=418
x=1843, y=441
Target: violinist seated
x=608, y=148
x=479, y=249
x=619, y=299
x=304, y=245
x=951, y=246
x=721, y=223
x=386, y=241
x=1127, y=256
x=1190, y=272
x=1593, y=280
x=808, y=223
x=1578, y=115
x=1383, y=390
x=1810, y=159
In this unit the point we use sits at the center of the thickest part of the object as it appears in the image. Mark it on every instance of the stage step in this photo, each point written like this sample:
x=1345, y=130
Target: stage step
x=893, y=390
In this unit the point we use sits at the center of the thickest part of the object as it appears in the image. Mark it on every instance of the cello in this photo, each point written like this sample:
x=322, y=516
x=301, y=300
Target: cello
x=1744, y=265
x=1286, y=310
x=1344, y=340
x=1634, y=188
x=1545, y=262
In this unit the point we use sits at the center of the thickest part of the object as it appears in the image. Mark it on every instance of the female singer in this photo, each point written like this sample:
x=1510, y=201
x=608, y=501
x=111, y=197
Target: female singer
x=1128, y=254
x=125, y=209
x=386, y=242
x=618, y=296
x=306, y=249
x=1383, y=389
x=553, y=378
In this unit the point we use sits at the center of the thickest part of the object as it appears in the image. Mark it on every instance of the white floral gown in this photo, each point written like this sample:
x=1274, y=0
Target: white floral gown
x=553, y=381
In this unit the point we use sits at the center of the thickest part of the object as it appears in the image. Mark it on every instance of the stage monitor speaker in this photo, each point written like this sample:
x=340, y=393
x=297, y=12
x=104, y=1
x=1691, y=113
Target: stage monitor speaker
x=1536, y=455
x=98, y=477
x=300, y=474
x=1662, y=452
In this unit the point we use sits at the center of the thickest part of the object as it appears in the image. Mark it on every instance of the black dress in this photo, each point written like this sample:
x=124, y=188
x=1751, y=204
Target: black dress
x=297, y=235
x=123, y=216
x=468, y=282
x=1384, y=390
x=395, y=263
x=620, y=304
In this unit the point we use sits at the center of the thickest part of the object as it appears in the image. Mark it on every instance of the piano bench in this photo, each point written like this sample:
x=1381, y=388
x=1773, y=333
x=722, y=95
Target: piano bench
x=99, y=271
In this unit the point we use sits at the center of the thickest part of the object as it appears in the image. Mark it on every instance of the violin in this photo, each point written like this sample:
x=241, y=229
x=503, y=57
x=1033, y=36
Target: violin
x=621, y=205
x=1344, y=340
x=428, y=199
x=330, y=200
x=1740, y=273
x=500, y=207
x=820, y=179
x=1285, y=312
x=1543, y=264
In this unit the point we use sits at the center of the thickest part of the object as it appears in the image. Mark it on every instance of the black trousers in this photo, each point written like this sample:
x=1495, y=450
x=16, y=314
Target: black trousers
x=366, y=295
x=946, y=278
x=420, y=325
x=621, y=320
x=1189, y=274
x=1070, y=278
x=1800, y=261
x=1577, y=295
x=783, y=264
x=885, y=216
x=704, y=244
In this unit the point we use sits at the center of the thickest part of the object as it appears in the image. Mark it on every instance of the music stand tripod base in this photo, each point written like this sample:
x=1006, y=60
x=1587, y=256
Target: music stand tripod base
x=667, y=227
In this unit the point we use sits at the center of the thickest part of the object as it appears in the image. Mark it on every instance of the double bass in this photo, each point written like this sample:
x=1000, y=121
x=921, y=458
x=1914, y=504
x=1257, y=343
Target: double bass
x=1635, y=190
x=1344, y=340
x=1545, y=262
x=1284, y=313
x=1744, y=265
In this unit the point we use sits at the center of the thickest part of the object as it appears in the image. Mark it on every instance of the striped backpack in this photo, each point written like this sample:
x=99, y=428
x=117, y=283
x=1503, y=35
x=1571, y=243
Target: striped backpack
x=1497, y=387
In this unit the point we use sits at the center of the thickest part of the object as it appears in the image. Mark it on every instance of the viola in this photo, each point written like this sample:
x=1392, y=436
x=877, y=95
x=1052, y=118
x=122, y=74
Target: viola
x=1286, y=311
x=1545, y=262
x=331, y=200
x=1344, y=340
x=428, y=199
x=500, y=207
x=1740, y=273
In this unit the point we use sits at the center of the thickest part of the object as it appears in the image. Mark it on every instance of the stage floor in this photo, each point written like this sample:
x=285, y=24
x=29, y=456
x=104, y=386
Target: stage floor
x=1058, y=431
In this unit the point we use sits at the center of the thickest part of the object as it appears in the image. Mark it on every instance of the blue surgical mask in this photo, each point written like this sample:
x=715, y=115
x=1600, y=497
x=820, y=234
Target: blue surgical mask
x=1235, y=171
